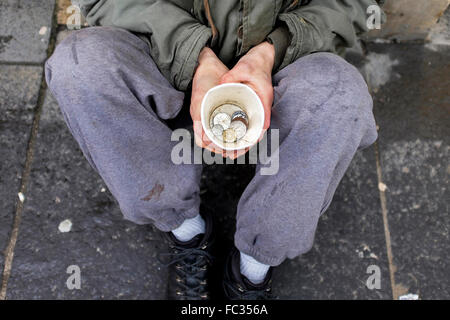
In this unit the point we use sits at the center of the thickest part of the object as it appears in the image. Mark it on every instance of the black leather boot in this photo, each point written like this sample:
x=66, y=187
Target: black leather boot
x=238, y=287
x=189, y=265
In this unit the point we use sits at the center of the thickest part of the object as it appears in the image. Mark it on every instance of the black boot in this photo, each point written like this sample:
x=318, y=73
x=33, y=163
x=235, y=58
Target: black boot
x=238, y=287
x=189, y=265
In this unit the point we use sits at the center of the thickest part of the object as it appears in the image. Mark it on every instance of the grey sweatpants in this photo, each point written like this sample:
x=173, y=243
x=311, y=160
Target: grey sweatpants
x=115, y=100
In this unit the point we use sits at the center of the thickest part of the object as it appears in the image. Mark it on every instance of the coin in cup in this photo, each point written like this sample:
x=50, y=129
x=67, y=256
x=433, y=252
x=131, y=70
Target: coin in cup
x=229, y=135
x=217, y=130
x=222, y=119
x=241, y=115
x=239, y=127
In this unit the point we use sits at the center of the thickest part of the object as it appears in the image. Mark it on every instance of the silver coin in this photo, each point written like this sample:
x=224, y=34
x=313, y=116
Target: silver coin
x=229, y=135
x=239, y=114
x=223, y=119
x=217, y=130
x=239, y=127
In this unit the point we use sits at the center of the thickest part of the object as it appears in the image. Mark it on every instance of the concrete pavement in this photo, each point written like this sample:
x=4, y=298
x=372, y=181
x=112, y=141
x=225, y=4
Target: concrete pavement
x=390, y=211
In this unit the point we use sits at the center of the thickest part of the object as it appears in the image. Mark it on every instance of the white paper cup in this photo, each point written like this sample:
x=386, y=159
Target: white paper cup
x=239, y=95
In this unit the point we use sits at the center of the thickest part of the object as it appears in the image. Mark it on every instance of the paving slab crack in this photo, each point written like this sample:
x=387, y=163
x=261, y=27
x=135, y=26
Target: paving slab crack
x=9, y=251
x=21, y=63
x=387, y=233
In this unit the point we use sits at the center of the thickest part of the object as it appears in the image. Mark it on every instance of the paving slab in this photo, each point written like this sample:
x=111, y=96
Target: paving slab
x=413, y=112
x=349, y=239
x=63, y=186
x=25, y=27
x=19, y=89
x=116, y=258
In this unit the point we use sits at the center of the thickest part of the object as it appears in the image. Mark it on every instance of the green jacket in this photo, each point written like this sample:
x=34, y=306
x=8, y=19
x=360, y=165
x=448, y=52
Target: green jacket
x=177, y=30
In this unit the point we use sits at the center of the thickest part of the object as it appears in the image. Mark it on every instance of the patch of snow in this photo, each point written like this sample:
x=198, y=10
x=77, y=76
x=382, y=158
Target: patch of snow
x=65, y=226
x=21, y=197
x=382, y=187
x=378, y=69
x=43, y=30
x=409, y=296
x=380, y=40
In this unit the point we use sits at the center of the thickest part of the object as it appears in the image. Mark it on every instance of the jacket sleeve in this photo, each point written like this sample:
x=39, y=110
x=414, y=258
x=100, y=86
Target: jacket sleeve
x=175, y=37
x=320, y=25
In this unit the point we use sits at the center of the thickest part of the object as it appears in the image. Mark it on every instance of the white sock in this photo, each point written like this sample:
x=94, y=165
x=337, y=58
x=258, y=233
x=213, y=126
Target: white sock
x=253, y=270
x=190, y=228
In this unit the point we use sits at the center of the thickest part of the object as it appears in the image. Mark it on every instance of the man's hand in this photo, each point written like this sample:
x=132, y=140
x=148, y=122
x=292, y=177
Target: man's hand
x=255, y=70
x=208, y=74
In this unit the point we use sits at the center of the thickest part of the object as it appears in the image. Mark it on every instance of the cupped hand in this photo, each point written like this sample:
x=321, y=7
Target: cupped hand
x=207, y=75
x=255, y=70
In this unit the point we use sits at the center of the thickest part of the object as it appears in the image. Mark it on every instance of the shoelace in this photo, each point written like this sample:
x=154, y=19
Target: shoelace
x=263, y=294
x=192, y=264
